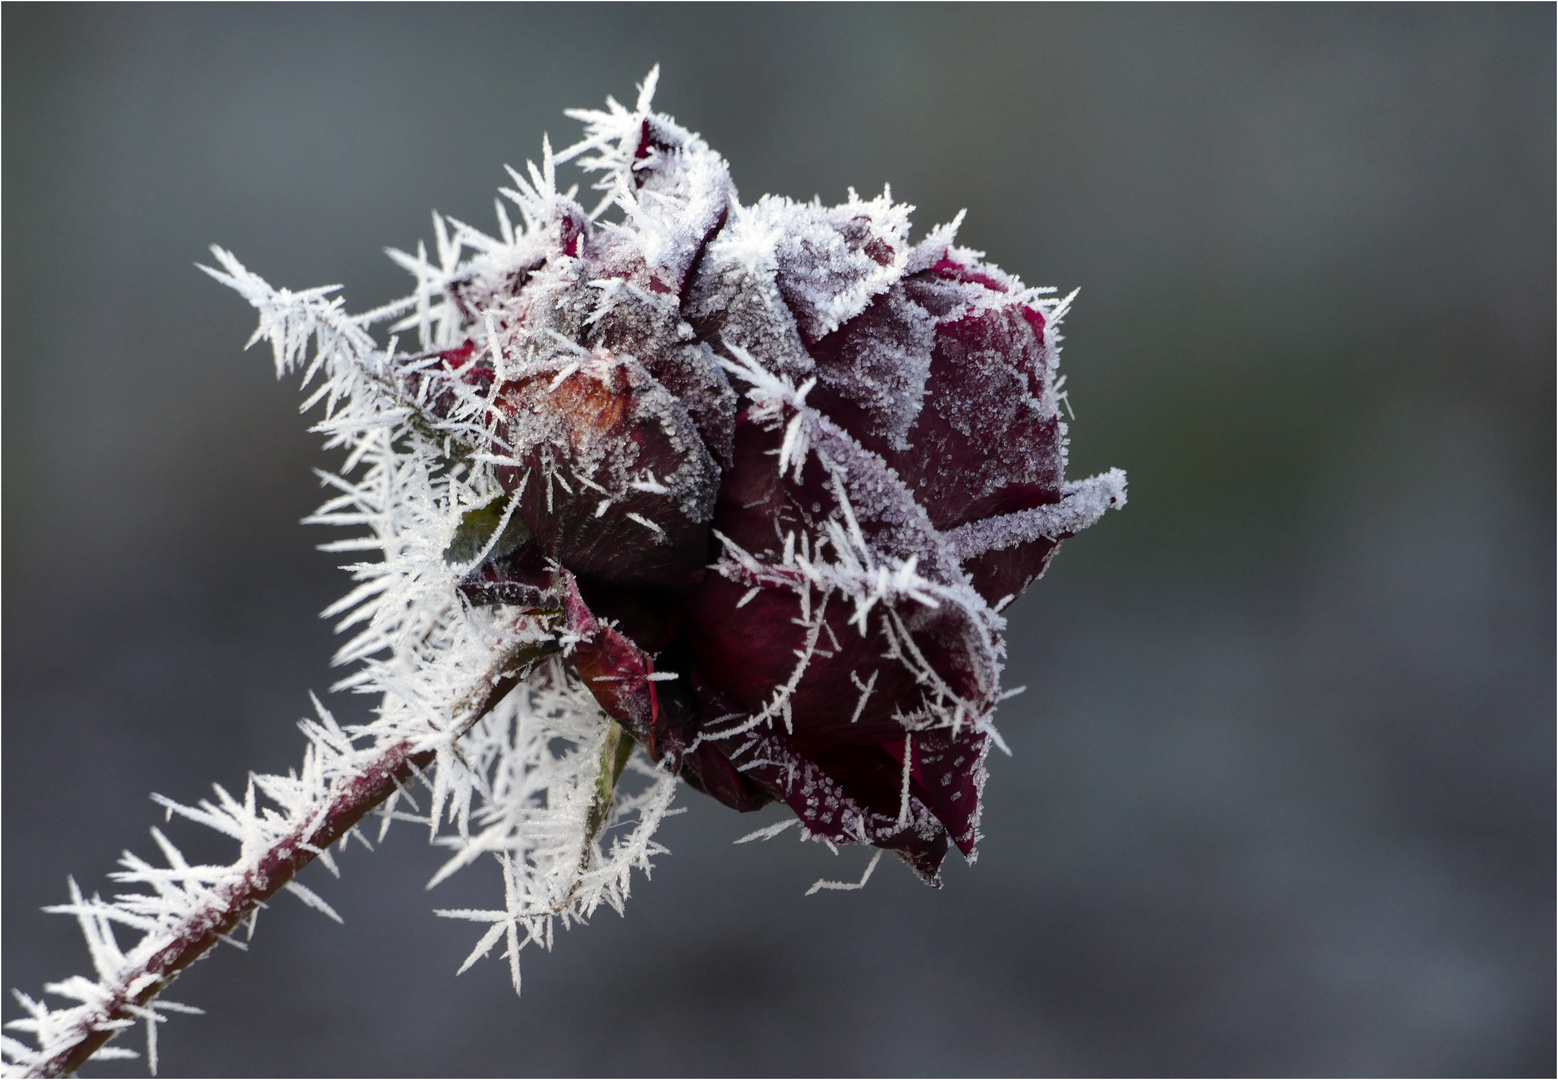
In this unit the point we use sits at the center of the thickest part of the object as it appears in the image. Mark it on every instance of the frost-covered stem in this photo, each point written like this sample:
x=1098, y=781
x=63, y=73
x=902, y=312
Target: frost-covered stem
x=187, y=941
x=350, y=800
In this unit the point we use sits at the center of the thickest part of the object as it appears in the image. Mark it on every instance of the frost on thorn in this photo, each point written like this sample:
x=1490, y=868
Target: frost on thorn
x=670, y=487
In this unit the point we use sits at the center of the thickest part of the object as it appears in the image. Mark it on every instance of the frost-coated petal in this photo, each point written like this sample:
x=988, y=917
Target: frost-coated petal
x=846, y=795
x=610, y=472
x=845, y=660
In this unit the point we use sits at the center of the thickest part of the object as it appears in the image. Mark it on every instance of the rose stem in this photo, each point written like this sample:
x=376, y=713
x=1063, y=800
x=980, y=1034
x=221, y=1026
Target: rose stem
x=197, y=932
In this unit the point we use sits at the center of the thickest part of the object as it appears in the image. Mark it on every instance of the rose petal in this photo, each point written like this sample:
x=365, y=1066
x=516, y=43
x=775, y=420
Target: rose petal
x=989, y=439
x=835, y=807
x=618, y=673
x=949, y=777
x=826, y=673
x=1007, y=573
x=846, y=691
x=611, y=474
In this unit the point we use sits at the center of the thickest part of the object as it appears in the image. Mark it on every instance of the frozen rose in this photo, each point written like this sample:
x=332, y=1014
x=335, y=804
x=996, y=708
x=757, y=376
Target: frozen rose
x=778, y=469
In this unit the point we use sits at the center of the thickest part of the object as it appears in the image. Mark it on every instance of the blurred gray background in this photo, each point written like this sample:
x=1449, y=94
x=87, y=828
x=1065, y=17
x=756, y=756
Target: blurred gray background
x=1281, y=798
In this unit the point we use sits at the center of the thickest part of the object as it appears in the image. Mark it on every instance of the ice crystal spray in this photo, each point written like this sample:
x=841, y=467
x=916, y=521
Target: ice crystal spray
x=670, y=487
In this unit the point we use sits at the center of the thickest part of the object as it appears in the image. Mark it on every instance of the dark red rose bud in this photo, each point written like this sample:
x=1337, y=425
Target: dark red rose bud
x=778, y=469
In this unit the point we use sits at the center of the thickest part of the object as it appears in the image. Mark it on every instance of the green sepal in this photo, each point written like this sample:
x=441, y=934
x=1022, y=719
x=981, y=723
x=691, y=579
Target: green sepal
x=476, y=528
x=614, y=755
